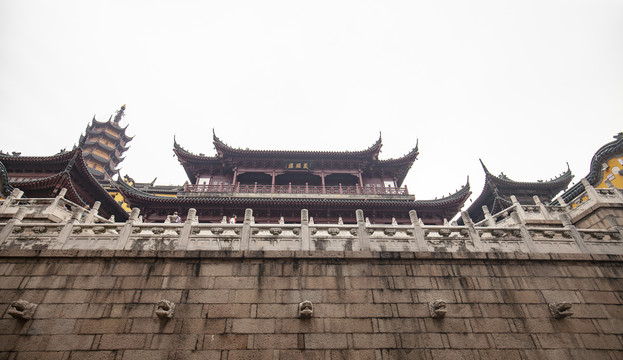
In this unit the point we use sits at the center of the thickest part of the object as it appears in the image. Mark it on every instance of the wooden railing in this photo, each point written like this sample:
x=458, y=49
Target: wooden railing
x=296, y=189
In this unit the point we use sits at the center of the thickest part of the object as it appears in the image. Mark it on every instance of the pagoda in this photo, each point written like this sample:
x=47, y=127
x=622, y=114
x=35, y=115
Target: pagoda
x=277, y=184
x=103, y=145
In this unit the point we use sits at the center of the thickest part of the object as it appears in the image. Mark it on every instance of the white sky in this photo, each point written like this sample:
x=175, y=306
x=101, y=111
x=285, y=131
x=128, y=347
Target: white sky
x=525, y=85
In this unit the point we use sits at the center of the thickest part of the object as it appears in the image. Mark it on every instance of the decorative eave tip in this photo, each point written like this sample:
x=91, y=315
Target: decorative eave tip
x=484, y=167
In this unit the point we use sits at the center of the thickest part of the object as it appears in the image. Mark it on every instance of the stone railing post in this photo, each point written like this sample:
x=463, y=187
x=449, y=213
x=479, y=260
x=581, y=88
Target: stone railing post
x=490, y=221
x=8, y=228
x=521, y=215
x=124, y=236
x=15, y=194
x=542, y=208
x=525, y=234
x=418, y=232
x=305, y=238
x=590, y=191
x=91, y=214
x=68, y=228
x=575, y=234
x=245, y=240
x=57, y=200
x=616, y=191
x=187, y=229
x=364, y=239
x=471, y=229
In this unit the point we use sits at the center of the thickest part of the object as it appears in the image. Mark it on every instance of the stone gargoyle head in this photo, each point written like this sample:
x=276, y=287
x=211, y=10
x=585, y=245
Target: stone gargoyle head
x=165, y=309
x=560, y=310
x=306, y=309
x=22, y=309
x=437, y=309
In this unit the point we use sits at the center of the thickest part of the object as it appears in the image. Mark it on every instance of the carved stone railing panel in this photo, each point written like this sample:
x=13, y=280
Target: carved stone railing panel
x=94, y=236
x=215, y=237
x=275, y=237
x=33, y=236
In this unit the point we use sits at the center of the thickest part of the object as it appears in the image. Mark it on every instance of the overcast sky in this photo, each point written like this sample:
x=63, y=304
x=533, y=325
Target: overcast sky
x=525, y=85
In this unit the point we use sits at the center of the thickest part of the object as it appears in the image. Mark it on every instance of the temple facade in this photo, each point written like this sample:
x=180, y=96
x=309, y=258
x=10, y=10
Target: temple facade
x=278, y=183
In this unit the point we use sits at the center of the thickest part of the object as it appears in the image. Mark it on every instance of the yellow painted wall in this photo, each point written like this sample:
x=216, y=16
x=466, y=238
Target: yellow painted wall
x=112, y=132
x=614, y=166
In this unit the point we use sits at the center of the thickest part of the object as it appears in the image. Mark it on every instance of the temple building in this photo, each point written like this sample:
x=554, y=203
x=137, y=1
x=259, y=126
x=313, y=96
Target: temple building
x=276, y=184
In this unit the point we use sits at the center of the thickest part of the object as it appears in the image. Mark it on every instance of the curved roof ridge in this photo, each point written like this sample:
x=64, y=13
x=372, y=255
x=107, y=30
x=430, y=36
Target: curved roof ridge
x=562, y=177
x=410, y=156
x=221, y=146
x=459, y=195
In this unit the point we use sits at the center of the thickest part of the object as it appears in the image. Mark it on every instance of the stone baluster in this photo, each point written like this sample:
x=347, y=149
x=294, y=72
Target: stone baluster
x=618, y=193
x=542, y=208
x=91, y=214
x=56, y=202
x=614, y=224
x=126, y=231
x=473, y=234
x=575, y=234
x=590, y=191
x=490, y=221
x=245, y=240
x=8, y=228
x=525, y=234
x=305, y=238
x=15, y=194
x=364, y=239
x=187, y=229
x=521, y=215
x=418, y=232
x=68, y=228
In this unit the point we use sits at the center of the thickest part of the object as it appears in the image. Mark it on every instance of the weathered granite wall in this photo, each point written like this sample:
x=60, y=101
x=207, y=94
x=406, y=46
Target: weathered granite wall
x=101, y=304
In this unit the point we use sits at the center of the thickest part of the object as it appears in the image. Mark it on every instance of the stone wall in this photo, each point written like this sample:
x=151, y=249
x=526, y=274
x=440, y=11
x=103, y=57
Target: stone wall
x=101, y=304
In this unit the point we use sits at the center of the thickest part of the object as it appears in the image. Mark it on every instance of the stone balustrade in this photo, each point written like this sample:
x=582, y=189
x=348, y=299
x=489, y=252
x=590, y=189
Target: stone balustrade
x=48, y=224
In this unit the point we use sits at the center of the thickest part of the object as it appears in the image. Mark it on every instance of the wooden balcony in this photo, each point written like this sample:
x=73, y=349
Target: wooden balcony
x=296, y=191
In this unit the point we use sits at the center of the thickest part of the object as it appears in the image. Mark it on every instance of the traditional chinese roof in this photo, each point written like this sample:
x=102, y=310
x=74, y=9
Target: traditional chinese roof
x=596, y=173
x=64, y=170
x=497, y=191
x=228, y=157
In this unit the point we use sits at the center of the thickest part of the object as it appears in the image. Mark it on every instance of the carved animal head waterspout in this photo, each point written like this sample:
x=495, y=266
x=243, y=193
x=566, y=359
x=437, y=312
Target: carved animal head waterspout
x=306, y=309
x=22, y=309
x=437, y=309
x=560, y=310
x=165, y=309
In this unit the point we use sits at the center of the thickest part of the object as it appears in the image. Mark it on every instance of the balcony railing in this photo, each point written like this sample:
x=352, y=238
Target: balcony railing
x=297, y=189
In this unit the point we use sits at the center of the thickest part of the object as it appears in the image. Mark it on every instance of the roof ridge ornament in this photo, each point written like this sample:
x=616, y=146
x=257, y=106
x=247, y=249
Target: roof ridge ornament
x=119, y=114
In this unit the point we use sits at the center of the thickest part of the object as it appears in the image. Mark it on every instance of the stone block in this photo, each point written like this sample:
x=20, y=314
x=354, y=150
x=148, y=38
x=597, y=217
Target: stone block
x=146, y=355
x=83, y=268
x=490, y=325
x=499, y=354
x=69, y=342
x=426, y=296
x=532, y=326
x=573, y=325
x=556, y=354
x=198, y=354
x=52, y=326
x=122, y=341
x=252, y=326
x=139, y=282
x=348, y=296
x=392, y=296
x=275, y=341
x=346, y=325
x=251, y=354
x=208, y=296
x=233, y=282
x=601, y=341
x=520, y=297
x=445, y=325
x=174, y=341
x=480, y=296
x=364, y=282
x=325, y=341
x=558, y=341
x=220, y=311
x=47, y=355
x=93, y=282
x=225, y=341
x=451, y=355
x=513, y=341
x=368, y=310
x=407, y=282
x=504, y=310
x=422, y=340
x=132, y=310
x=374, y=341
x=300, y=326
x=10, y=282
x=47, y=282
x=296, y=296
x=278, y=311
x=153, y=296
x=329, y=310
x=599, y=297
x=153, y=325
x=66, y=296
x=468, y=341
x=204, y=326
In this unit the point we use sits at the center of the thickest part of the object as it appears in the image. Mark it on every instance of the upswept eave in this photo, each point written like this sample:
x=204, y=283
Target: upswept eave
x=225, y=150
x=458, y=198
